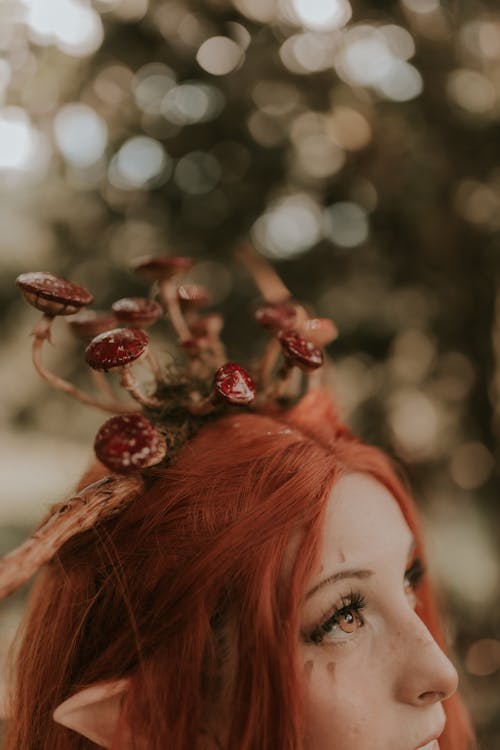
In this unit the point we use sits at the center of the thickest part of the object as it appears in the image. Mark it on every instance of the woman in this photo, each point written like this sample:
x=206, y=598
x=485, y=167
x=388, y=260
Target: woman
x=267, y=592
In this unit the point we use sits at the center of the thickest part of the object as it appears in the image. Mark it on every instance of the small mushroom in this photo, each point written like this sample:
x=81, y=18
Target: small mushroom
x=233, y=384
x=276, y=317
x=280, y=316
x=164, y=267
x=139, y=312
x=117, y=350
x=210, y=327
x=163, y=270
x=192, y=296
x=52, y=294
x=299, y=351
x=56, y=296
x=136, y=312
x=85, y=325
x=129, y=443
x=89, y=323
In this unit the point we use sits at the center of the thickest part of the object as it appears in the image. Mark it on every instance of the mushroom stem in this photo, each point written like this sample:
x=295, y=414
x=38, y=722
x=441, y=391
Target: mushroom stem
x=41, y=334
x=129, y=382
x=100, y=500
x=102, y=384
x=203, y=406
x=219, y=351
x=168, y=295
x=315, y=379
x=155, y=365
x=265, y=277
x=279, y=388
x=268, y=362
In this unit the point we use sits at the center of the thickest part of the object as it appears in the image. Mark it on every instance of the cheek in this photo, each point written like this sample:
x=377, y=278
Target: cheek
x=339, y=706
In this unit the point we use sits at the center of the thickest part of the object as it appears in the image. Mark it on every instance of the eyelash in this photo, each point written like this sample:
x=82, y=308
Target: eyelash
x=351, y=605
x=355, y=602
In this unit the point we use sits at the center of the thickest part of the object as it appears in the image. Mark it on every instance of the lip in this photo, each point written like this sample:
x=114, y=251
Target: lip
x=431, y=743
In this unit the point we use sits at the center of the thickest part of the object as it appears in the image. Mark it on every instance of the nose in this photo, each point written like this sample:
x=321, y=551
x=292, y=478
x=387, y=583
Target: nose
x=425, y=673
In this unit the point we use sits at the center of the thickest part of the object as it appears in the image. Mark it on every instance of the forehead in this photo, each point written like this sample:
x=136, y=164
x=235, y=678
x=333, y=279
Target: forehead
x=362, y=521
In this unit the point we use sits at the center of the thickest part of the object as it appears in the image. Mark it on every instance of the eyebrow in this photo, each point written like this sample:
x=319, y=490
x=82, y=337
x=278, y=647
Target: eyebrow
x=341, y=575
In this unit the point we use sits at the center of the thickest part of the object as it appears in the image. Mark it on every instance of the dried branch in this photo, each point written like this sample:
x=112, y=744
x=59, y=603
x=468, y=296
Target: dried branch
x=95, y=503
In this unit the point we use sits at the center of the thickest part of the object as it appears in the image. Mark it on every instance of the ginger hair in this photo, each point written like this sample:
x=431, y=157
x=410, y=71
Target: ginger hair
x=146, y=594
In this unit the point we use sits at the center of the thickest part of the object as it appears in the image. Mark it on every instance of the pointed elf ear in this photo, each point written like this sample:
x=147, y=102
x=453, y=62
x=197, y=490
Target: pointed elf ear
x=94, y=711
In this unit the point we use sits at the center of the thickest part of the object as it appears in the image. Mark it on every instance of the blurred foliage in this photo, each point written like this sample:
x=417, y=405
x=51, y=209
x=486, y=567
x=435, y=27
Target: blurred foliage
x=356, y=144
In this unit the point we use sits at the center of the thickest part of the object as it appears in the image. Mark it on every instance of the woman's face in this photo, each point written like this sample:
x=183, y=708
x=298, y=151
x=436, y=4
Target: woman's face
x=374, y=676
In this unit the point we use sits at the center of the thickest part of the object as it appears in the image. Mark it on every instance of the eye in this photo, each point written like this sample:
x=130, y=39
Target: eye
x=343, y=621
x=413, y=579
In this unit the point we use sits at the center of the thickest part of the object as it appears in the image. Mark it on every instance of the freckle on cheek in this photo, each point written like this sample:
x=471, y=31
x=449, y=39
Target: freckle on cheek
x=330, y=668
x=308, y=668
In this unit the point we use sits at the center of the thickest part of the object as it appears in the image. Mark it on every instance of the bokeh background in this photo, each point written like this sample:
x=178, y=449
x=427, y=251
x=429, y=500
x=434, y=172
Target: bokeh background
x=357, y=145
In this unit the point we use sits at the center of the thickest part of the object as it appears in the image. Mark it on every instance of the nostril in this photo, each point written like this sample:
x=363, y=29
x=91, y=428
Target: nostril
x=431, y=696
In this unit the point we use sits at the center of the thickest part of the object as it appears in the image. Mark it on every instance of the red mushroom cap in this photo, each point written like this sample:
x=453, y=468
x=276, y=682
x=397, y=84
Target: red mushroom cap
x=319, y=331
x=192, y=296
x=234, y=385
x=129, y=443
x=116, y=348
x=161, y=268
x=89, y=323
x=299, y=351
x=280, y=316
x=137, y=311
x=52, y=294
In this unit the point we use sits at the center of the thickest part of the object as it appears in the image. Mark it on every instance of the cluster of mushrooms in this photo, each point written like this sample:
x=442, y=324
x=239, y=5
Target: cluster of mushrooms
x=130, y=442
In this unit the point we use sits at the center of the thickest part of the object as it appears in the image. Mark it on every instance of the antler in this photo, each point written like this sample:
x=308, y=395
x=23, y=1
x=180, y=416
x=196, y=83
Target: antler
x=96, y=502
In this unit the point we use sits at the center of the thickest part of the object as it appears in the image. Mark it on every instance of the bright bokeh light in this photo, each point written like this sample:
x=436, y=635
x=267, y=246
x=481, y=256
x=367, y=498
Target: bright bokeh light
x=323, y=15
x=290, y=226
x=399, y=41
x=346, y=224
x=309, y=52
x=471, y=465
x=365, y=57
x=414, y=421
x=72, y=25
x=81, y=134
x=483, y=657
x=263, y=11
x=319, y=156
x=192, y=101
x=141, y=162
x=481, y=37
x=472, y=91
x=152, y=83
x=401, y=83
x=376, y=57
x=125, y=10
x=413, y=353
x=219, y=55
x=478, y=203
x=21, y=145
x=349, y=128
